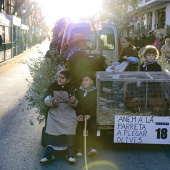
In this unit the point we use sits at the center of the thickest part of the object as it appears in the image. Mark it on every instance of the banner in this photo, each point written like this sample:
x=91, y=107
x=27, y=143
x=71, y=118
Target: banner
x=142, y=129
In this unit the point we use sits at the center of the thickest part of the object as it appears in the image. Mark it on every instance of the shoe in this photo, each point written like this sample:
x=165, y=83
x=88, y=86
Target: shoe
x=79, y=154
x=45, y=160
x=92, y=152
x=70, y=159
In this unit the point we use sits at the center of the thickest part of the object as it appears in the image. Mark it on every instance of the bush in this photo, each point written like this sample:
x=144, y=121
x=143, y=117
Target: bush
x=43, y=72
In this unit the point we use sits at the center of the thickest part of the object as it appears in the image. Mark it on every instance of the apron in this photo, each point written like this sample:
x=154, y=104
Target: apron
x=63, y=119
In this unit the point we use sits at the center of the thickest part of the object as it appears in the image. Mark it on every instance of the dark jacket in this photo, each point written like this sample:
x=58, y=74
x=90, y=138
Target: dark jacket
x=55, y=87
x=129, y=51
x=151, y=40
x=150, y=67
x=143, y=41
x=80, y=62
x=86, y=105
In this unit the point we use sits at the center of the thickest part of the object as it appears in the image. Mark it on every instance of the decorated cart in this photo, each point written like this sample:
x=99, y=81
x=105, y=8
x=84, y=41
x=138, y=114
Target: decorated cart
x=136, y=105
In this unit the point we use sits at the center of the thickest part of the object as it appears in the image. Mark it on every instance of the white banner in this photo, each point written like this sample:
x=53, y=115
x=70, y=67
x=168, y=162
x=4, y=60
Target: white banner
x=142, y=129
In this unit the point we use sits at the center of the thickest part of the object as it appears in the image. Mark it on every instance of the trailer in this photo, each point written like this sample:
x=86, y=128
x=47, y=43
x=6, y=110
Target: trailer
x=135, y=106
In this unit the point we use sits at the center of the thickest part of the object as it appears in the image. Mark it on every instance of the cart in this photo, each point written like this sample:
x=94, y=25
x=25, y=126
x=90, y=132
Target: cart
x=135, y=106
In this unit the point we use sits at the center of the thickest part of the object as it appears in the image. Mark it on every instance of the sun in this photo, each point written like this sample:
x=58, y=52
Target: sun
x=72, y=9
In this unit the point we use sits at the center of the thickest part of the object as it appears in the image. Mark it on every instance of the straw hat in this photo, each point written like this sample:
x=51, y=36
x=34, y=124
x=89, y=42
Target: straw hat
x=77, y=38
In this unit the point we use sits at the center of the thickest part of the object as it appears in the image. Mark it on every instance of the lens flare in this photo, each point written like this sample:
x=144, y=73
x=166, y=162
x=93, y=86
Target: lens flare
x=106, y=164
x=73, y=9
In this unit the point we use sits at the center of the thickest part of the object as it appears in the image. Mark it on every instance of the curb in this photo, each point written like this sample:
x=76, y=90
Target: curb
x=17, y=56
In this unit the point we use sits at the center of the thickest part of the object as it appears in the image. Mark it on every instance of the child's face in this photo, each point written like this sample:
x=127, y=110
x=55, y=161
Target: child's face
x=61, y=80
x=150, y=57
x=87, y=82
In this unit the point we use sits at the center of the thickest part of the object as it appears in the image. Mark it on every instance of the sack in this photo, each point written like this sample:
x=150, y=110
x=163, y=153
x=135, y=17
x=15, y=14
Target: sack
x=118, y=68
x=121, y=67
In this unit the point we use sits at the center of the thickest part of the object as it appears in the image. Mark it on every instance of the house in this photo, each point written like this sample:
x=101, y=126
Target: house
x=148, y=15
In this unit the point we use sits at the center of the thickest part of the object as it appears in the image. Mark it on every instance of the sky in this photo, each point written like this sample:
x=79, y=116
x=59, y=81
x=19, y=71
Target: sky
x=74, y=9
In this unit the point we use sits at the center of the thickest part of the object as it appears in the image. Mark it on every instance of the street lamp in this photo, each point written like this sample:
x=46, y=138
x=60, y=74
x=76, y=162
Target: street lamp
x=24, y=11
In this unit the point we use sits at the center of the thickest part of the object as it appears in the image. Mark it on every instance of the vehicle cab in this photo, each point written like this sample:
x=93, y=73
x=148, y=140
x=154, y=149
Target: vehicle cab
x=101, y=42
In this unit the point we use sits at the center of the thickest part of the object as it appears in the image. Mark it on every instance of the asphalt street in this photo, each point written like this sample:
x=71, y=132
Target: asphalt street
x=20, y=132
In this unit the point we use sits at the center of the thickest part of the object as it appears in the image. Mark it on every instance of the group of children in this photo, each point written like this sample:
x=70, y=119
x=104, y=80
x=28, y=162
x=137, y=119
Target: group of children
x=128, y=60
x=69, y=108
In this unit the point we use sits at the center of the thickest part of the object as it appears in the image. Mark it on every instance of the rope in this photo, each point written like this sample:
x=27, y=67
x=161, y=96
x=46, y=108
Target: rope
x=85, y=150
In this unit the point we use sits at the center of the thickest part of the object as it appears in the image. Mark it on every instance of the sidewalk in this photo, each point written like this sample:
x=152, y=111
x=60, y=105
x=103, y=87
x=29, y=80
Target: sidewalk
x=18, y=56
x=31, y=49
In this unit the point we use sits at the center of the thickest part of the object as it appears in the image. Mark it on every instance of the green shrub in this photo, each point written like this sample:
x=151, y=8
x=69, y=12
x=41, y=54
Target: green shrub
x=43, y=72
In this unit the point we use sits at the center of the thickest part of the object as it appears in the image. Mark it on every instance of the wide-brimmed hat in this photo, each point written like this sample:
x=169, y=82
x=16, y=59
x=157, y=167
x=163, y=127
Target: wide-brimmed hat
x=77, y=38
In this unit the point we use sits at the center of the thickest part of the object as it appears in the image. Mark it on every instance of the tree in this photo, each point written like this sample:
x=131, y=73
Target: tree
x=119, y=7
x=1, y=4
x=17, y=5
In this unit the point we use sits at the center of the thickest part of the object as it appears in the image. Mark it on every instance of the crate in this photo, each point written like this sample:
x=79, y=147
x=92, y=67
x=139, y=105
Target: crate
x=131, y=93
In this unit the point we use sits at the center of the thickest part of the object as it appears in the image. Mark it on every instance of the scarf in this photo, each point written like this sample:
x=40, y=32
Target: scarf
x=70, y=52
x=156, y=42
x=87, y=90
x=146, y=63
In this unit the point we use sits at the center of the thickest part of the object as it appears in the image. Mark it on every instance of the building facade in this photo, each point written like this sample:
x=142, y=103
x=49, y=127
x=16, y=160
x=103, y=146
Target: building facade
x=18, y=20
x=148, y=15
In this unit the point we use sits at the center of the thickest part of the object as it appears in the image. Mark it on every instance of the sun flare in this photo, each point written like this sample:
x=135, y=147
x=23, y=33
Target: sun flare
x=72, y=9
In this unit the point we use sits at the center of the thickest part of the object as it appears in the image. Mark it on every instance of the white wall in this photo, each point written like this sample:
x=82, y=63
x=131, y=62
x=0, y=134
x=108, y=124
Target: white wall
x=153, y=9
x=167, y=22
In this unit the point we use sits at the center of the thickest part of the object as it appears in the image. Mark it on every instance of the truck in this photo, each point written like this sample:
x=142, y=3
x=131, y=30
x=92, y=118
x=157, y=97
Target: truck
x=135, y=106
x=101, y=42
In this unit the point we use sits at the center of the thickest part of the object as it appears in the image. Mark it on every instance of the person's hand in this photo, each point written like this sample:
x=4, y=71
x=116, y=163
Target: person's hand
x=87, y=117
x=138, y=83
x=112, y=67
x=124, y=57
x=80, y=118
x=72, y=99
x=55, y=102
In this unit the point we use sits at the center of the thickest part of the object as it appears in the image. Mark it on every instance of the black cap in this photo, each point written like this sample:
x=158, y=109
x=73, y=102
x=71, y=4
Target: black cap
x=88, y=74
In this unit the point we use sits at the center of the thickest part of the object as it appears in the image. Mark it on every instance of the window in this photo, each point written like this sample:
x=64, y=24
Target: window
x=2, y=36
x=160, y=18
x=149, y=25
x=7, y=34
x=144, y=20
x=107, y=39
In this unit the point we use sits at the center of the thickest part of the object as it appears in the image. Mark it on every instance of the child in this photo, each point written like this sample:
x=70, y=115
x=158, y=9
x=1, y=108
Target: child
x=61, y=119
x=151, y=54
x=87, y=101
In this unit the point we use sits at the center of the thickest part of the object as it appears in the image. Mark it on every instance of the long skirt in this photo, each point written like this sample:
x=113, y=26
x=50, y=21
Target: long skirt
x=60, y=140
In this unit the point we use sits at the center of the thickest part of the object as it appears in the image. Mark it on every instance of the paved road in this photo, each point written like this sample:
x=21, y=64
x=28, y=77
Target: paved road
x=20, y=147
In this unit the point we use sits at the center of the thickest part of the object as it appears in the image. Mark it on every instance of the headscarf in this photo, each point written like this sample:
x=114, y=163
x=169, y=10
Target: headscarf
x=146, y=63
x=87, y=90
x=70, y=52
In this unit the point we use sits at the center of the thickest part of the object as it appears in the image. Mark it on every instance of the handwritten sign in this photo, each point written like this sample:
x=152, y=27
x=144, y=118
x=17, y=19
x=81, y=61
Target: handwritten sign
x=142, y=129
